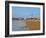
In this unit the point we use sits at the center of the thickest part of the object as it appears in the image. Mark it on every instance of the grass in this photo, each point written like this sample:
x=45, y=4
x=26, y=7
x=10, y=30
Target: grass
x=32, y=24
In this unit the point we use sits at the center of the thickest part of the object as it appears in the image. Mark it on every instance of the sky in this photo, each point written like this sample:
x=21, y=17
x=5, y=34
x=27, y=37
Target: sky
x=25, y=12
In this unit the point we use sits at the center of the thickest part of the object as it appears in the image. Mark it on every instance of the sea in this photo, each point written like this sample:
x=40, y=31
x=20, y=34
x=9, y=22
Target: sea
x=18, y=25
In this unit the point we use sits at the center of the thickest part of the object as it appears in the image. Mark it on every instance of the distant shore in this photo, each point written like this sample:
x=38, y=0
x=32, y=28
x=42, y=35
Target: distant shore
x=25, y=19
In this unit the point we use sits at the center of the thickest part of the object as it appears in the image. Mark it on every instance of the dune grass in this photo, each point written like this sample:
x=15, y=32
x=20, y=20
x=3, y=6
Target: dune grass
x=32, y=24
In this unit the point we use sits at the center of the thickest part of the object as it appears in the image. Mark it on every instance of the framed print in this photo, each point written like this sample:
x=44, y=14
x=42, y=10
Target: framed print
x=24, y=18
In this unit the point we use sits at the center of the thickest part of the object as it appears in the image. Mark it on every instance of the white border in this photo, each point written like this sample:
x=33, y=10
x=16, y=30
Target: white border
x=25, y=32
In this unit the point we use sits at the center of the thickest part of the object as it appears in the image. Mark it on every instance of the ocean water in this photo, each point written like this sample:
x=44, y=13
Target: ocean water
x=18, y=25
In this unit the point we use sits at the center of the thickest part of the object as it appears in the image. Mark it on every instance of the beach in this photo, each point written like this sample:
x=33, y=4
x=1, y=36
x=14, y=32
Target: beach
x=28, y=24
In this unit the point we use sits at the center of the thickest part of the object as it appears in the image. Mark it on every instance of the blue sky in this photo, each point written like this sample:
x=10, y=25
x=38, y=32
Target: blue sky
x=25, y=12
